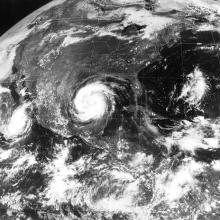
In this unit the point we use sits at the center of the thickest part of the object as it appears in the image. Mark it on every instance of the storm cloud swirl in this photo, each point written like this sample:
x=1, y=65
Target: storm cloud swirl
x=100, y=101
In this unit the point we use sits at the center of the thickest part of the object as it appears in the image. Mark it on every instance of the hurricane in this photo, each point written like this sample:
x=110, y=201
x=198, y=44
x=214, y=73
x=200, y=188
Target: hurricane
x=91, y=102
x=100, y=101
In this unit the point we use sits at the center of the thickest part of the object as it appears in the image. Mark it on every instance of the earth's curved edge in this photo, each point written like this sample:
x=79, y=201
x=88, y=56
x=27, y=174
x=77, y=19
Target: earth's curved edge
x=10, y=40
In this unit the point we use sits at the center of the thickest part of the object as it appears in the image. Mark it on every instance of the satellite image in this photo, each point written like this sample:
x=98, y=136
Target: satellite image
x=110, y=110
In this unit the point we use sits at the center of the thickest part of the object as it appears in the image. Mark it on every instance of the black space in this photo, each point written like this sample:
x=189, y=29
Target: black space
x=12, y=11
